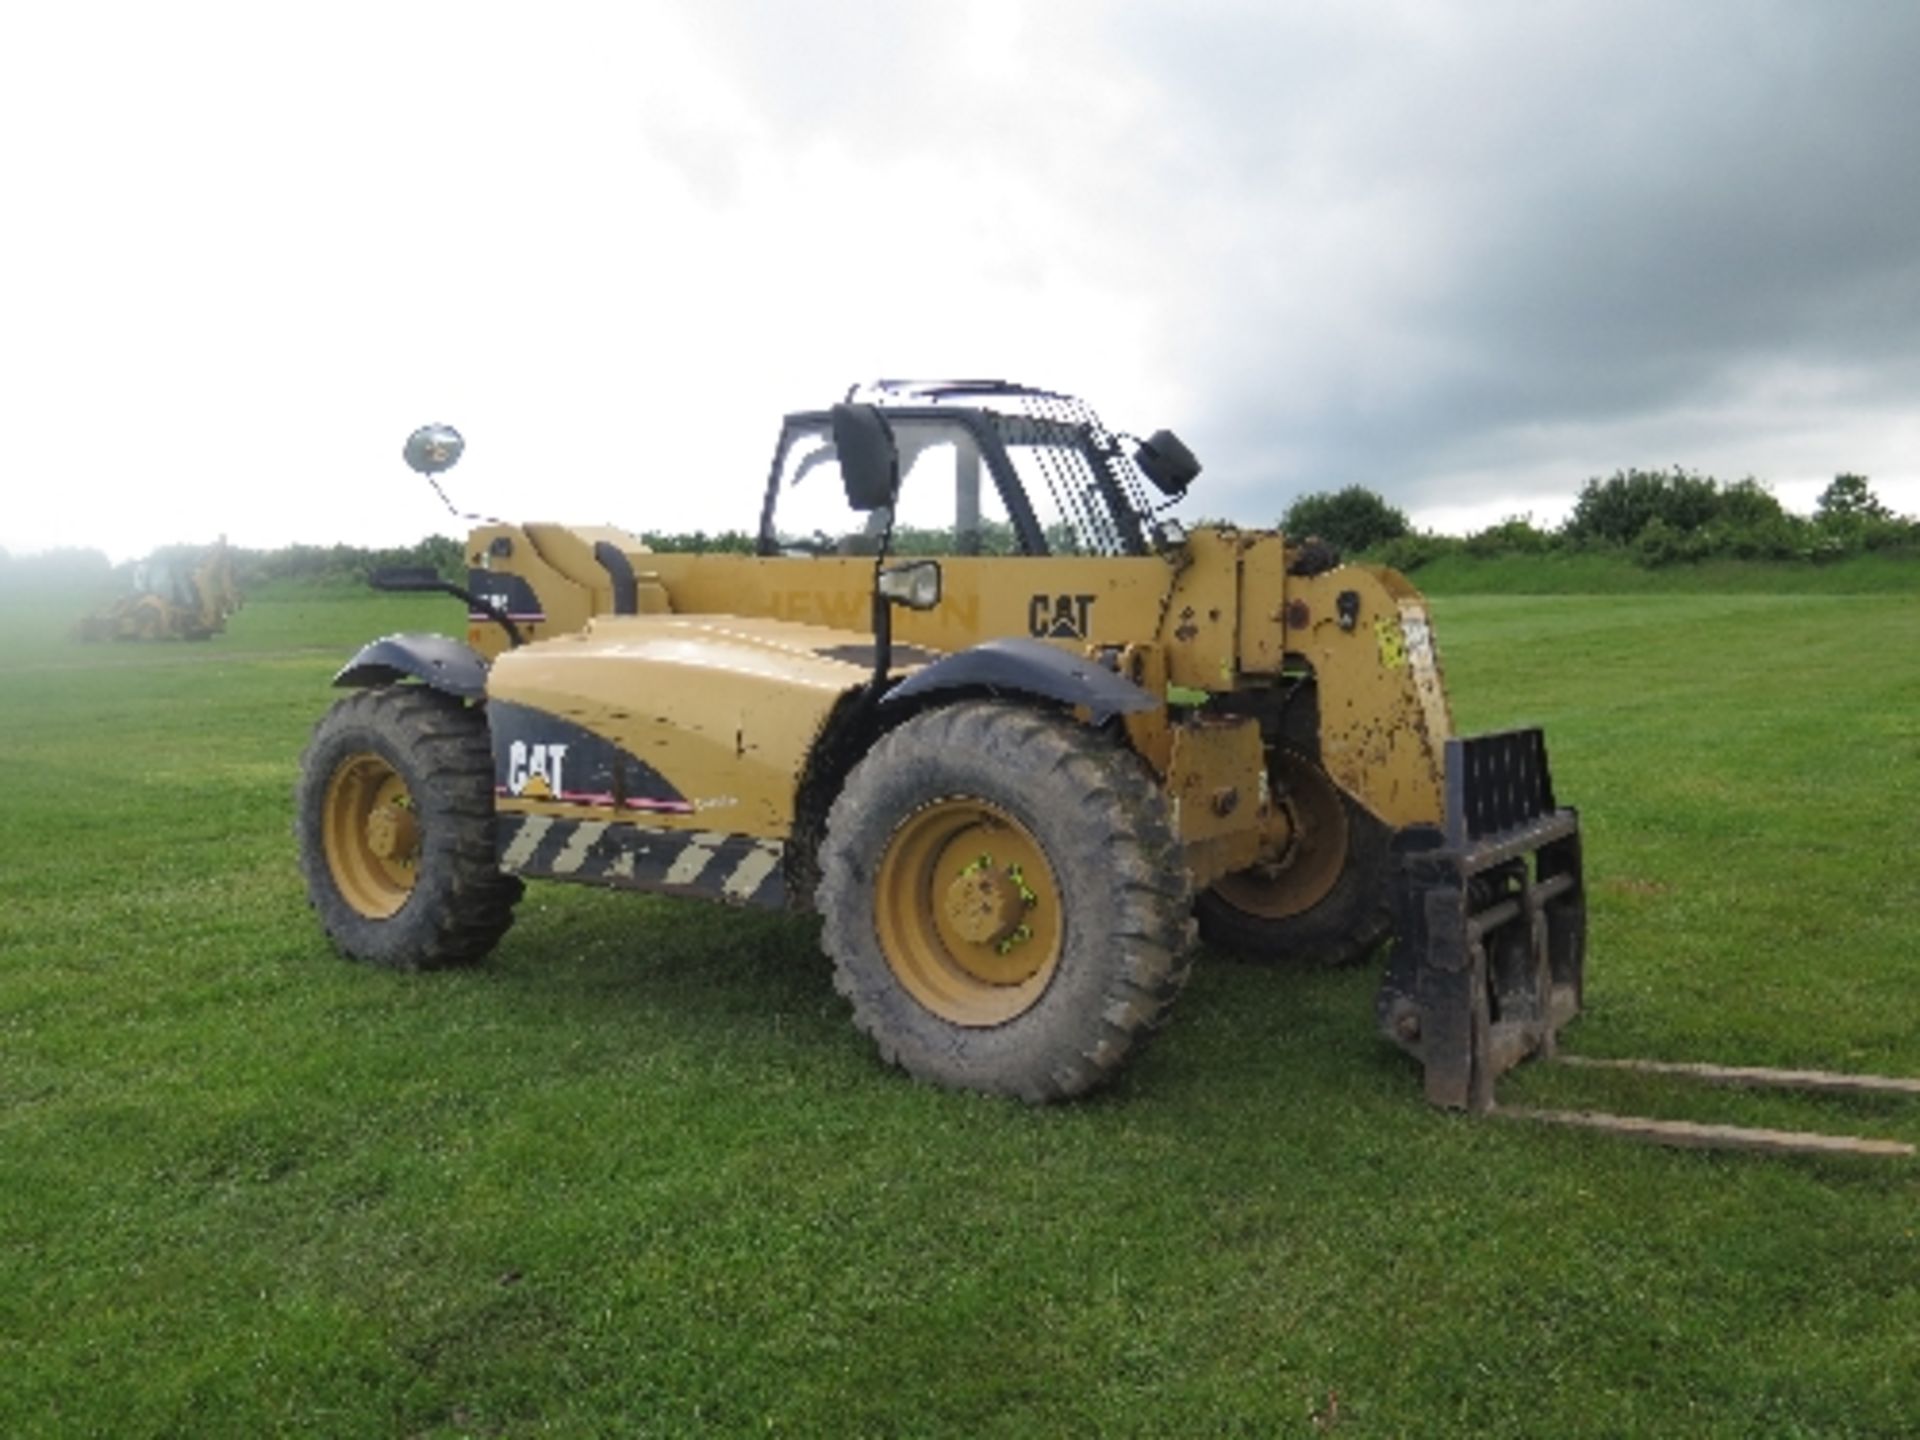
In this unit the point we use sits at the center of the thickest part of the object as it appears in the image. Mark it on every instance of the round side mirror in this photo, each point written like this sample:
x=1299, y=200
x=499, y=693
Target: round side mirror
x=433, y=448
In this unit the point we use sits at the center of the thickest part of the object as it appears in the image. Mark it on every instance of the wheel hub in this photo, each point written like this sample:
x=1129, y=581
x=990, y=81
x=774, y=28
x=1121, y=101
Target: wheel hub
x=1303, y=843
x=1279, y=837
x=968, y=912
x=985, y=907
x=371, y=835
x=393, y=834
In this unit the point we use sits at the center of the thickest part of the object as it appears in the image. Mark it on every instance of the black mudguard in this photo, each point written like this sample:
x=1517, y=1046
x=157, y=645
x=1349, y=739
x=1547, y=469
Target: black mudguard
x=440, y=663
x=1028, y=667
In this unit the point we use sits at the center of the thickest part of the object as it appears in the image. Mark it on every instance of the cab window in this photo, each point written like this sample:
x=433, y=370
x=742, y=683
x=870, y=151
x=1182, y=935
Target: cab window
x=948, y=502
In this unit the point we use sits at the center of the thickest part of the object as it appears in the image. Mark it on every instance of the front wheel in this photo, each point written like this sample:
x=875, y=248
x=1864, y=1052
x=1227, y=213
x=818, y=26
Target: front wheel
x=1004, y=900
x=1319, y=897
x=394, y=815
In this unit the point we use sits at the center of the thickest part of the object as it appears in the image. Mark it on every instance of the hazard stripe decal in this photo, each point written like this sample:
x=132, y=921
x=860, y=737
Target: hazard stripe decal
x=735, y=868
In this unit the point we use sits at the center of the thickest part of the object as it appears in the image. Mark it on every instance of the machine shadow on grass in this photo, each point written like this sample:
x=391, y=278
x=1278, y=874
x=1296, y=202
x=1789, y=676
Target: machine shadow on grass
x=584, y=959
x=588, y=951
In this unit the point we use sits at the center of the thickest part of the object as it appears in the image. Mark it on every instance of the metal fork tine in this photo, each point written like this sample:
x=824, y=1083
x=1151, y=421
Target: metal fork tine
x=1688, y=1135
x=1754, y=1076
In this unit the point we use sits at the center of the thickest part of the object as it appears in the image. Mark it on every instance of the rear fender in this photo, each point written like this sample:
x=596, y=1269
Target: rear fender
x=435, y=661
x=1019, y=666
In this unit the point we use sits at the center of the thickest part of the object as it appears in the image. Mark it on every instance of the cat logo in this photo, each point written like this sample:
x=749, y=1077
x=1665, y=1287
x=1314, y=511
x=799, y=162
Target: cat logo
x=1059, y=617
x=534, y=770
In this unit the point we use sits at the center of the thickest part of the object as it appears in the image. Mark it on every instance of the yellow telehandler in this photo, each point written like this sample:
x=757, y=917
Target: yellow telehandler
x=1013, y=734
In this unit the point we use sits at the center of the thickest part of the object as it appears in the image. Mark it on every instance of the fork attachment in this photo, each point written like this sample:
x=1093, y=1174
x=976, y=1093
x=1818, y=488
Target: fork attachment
x=1490, y=922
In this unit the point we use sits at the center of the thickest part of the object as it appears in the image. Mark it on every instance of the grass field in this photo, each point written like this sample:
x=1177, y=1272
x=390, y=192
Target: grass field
x=638, y=1175
x=1593, y=572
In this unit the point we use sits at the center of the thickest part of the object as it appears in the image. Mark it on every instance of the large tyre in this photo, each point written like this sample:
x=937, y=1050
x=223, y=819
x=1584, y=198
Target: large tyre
x=1004, y=900
x=1323, y=899
x=394, y=814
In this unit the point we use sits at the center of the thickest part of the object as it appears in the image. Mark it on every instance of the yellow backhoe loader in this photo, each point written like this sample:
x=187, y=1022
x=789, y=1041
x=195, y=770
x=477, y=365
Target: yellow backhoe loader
x=176, y=594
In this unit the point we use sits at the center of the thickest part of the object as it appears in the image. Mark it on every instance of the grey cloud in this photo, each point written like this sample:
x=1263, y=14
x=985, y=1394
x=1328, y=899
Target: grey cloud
x=1394, y=243
x=1613, y=215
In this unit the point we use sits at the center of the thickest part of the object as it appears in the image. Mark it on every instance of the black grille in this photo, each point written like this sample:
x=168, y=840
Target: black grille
x=1496, y=784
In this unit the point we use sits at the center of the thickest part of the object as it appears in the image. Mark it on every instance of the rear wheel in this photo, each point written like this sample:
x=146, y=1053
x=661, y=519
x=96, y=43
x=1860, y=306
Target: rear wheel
x=1319, y=896
x=394, y=814
x=1004, y=901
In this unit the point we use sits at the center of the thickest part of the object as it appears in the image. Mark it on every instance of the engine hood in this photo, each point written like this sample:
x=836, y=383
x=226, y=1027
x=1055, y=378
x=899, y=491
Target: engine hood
x=816, y=656
x=702, y=721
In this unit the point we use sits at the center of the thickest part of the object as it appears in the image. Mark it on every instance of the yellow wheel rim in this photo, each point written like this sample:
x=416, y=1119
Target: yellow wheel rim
x=968, y=912
x=1305, y=844
x=372, y=835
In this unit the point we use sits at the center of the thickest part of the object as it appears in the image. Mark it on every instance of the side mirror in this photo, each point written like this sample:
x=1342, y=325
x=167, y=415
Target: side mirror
x=869, y=461
x=912, y=583
x=433, y=448
x=1168, y=463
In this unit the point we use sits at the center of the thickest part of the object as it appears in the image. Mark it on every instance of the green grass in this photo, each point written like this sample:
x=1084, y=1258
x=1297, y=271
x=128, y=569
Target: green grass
x=638, y=1175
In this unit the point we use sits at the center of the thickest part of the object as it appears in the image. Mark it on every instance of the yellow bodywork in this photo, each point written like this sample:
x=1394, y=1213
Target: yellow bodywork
x=728, y=709
x=1218, y=614
x=1384, y=720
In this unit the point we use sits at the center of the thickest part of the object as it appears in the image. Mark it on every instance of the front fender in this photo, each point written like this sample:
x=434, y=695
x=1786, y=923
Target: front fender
x=1028, y=667
x=434, y=660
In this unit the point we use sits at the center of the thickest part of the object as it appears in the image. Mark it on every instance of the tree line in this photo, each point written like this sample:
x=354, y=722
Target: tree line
x=76, y=568
x=1655, y=517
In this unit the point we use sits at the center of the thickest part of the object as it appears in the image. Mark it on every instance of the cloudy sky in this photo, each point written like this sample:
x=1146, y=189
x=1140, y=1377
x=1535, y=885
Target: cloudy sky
x=1466, y=254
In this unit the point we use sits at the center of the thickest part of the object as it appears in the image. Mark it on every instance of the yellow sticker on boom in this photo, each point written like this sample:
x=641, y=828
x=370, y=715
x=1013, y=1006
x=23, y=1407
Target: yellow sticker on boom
x=1393, y=643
